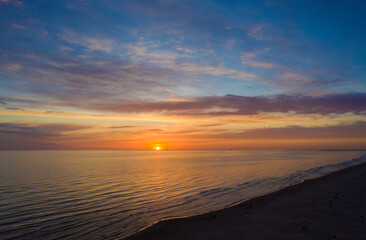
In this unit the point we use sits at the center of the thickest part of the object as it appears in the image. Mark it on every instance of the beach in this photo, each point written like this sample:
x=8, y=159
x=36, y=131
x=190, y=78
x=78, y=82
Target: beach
x=328, y=207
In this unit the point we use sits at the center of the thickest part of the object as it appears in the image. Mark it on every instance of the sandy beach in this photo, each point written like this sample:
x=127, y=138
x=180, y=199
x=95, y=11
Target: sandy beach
x=329, y=207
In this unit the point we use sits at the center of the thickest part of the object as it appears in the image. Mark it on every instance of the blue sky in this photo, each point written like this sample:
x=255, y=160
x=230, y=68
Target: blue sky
x=100, y=56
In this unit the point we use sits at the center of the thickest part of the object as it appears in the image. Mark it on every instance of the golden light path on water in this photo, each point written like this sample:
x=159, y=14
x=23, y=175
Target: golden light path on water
x=110, y=194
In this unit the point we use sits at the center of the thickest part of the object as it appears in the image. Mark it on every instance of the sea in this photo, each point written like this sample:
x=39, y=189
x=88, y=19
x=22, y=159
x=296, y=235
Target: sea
x=112, y=194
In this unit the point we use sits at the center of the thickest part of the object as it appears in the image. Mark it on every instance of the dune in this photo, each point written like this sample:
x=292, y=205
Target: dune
x=329, y=207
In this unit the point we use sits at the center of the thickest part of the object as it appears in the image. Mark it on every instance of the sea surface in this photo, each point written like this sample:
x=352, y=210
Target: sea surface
x=111, y=194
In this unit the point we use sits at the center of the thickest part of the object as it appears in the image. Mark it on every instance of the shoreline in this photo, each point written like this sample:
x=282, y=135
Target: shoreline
x=236, y=221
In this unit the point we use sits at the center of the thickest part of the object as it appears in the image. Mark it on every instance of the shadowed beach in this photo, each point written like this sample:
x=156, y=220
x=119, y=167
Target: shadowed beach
x=329, y=207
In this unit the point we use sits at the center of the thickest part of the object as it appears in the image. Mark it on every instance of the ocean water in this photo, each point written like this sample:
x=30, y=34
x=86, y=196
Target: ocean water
x=111, y=194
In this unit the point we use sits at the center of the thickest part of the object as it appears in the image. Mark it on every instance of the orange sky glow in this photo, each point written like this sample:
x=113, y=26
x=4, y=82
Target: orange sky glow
x=137, y=75
x=75, y=130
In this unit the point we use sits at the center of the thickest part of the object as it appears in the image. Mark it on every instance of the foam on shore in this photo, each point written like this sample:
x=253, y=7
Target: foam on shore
x=331, y=206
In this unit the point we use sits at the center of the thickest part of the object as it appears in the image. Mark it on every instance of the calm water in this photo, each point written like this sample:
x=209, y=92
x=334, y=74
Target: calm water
x=110, y=194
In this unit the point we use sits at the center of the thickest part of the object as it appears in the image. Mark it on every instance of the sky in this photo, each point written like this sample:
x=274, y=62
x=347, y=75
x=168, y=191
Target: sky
x=187, y=74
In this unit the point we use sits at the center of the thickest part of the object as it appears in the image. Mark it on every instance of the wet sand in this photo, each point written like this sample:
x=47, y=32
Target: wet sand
x=329, y=207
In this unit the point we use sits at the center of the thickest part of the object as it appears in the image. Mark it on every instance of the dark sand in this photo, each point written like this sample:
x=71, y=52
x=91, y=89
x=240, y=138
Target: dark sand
x=330, y=207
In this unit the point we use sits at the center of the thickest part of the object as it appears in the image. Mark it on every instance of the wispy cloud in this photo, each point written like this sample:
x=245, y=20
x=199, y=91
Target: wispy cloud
x=16, y=3
x=13, y=67
x=248, y=58
x=121, y=127
x=259, y=32
x=213, y=105
x=89, y=78
x=354, y=103
x=35, y=136
x=354, y=130
x=14, y=25
x=240, y=105
x=91, y=43
x=40, y=130
x=292, y=78
x=143, y=53
x=169, y=60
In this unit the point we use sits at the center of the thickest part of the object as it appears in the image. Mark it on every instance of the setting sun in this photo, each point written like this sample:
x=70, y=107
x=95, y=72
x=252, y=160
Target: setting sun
x=157, y=148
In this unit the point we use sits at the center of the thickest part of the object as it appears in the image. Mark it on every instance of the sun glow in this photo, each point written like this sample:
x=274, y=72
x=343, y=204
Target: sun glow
x=157, y=148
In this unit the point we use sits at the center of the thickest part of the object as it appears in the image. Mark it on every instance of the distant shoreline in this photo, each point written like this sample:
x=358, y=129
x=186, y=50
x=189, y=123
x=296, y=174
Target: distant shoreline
x=329, y=206
x=184, y=150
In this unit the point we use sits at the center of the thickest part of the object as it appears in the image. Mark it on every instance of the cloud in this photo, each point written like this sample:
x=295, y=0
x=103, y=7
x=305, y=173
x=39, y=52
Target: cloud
x=295, y=78
x=354, y=103
x=185, y=49
x=13, y=67
x=179, y=17
x=16, y=3
x=91, y=43
x=78, y=78
x=21, y=144
x=150, y=75
x=230, y=43
x=15, y=136
x=40, y=130
x=14, y=25
x=144, y=53
x=247, y=58
x=354, y=130
x=259, y=32
x=260, y=64
x=126, y=126
x=227, y=72
x=241, y=105
x=218, y=71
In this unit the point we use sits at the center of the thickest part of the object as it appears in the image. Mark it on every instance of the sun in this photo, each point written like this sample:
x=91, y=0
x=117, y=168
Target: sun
x=157, y=148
